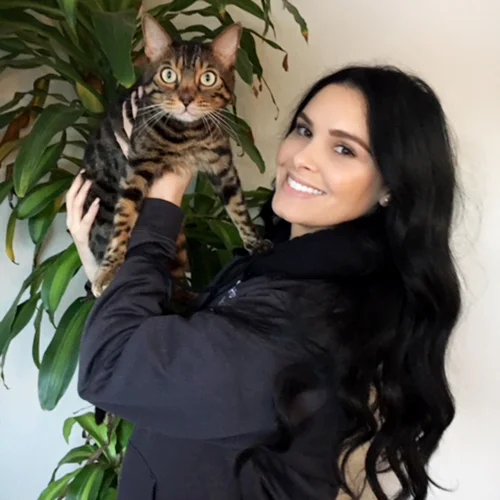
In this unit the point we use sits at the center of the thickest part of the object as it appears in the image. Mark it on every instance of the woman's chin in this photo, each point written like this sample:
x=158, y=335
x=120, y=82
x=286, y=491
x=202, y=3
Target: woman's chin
x=286, y=211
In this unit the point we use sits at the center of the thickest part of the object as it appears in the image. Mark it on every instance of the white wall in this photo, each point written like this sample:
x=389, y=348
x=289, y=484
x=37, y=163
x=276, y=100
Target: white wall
x=455, y=46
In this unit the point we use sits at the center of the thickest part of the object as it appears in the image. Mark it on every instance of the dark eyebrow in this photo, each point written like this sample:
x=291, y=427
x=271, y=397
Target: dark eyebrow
x=339, y=133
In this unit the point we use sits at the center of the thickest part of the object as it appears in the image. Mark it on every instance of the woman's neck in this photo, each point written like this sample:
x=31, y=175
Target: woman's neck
x=297, y=230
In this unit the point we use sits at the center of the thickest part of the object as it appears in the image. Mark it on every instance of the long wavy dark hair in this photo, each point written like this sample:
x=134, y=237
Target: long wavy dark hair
x=390, y=358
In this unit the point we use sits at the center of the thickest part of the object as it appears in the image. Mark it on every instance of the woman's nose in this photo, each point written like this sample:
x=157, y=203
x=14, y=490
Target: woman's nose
x=306, y=158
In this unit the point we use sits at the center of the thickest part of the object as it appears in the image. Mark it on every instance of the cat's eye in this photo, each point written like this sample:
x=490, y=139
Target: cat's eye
x=208, y=79
x=168, y=75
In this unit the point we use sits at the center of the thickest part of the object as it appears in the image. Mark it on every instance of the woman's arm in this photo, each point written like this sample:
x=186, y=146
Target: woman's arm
x=195, y=377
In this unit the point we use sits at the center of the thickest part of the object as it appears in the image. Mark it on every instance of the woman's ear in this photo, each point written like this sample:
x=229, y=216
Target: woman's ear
x=385, y=198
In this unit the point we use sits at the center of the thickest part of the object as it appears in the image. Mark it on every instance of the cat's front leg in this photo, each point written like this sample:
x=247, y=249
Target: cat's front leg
x=225, y=180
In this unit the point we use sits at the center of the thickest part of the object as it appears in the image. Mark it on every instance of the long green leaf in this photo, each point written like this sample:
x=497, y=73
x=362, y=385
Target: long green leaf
x=14, y=46
x=25, y=312
x=40, y=224
x=108, y=485
x=9, y=236
x=8, y=319
x=115, y=31
x=56, y=489
x=41, y=196
x=109, y=494
x=68, y=427
x=69, y=9
x=87, y=483
x=266, y=7
x=174, y=6
x=15, y=320
x=36, y=283
x=29, y=63
x=36, y=6
x=5, y=189
x=16, y=99
x=124, y=432
x=243, y=134
x=61, y=357
x=22, y=21
x=244, y=67
x=98, y=432
x=77, y=455
x=35, y=350
x=248, y=45
x=6, y=325
x=6, y=118
x=47, y=162
x=58, y=277
x=250, y=7
x=298, y=18
x=227, y=232
x=53, y=119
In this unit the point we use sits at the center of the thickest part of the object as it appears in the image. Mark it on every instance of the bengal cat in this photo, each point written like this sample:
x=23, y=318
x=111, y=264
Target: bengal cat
x=178, y=121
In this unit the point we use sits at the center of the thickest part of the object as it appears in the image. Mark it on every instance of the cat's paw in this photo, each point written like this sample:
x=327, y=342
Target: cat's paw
x=261, y=247
x=102, y=282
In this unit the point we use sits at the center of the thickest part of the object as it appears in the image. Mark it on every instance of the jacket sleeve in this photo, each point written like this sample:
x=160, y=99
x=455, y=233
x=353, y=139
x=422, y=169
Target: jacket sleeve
x=195, y=377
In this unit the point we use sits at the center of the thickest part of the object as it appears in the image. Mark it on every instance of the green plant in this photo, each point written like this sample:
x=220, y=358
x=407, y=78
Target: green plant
x=92, y=50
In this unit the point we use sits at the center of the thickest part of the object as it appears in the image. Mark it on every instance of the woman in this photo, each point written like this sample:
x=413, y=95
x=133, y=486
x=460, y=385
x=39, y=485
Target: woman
x=294, y=359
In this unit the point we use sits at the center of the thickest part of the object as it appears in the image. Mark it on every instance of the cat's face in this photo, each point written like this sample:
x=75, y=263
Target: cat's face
x=191, y=81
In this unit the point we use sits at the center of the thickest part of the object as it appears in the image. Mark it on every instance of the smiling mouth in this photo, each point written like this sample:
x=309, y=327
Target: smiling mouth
x=301, y=188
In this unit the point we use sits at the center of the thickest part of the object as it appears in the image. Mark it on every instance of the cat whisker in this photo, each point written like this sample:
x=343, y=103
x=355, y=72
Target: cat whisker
x=148, y=109
x=224, y=115
x=150, y=121
x=222, y=122
x=216, y=123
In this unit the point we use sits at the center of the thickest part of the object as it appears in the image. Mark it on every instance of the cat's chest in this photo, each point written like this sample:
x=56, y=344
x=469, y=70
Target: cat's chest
x=188, y=141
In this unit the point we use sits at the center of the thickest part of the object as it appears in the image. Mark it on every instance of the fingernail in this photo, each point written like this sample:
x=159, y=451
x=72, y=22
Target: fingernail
x=81, y=171
x=96, y=201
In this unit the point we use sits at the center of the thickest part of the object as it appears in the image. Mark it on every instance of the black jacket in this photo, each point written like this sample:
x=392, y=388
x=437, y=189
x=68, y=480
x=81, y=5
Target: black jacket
x=199, y=391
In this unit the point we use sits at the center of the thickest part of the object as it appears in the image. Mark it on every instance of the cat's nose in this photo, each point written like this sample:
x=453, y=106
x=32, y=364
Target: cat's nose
x=186, y=99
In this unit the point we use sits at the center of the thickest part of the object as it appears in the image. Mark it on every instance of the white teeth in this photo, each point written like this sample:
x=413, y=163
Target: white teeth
x=300, y=187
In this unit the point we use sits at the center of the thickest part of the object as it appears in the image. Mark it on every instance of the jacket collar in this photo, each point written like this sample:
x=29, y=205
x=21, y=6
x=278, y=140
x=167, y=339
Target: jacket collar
x=354, y=248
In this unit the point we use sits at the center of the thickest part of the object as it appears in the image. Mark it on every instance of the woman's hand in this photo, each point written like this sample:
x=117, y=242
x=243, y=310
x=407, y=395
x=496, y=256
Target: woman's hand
x=171, y=186
x=79, y=224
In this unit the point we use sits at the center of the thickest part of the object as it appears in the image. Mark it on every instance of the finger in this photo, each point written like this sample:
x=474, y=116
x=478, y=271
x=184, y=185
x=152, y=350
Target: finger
x=89, y=218
x=134, y=105
x=70, y=195
x=127, y=124
x=78, y=202
x=124, y=145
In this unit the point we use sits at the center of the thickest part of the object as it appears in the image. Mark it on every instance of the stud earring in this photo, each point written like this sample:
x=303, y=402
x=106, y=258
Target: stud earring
x=385, y=200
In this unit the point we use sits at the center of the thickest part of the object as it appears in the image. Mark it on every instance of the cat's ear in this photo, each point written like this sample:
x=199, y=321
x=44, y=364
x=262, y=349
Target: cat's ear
x=225, y=46
x=156, y=40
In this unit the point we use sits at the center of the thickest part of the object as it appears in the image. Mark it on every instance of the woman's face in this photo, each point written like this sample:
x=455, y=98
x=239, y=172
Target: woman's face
x=325, y=170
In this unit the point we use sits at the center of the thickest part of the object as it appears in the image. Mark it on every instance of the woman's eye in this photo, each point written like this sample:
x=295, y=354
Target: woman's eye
x=344, y=151
x=169, y=76
x=303, y=131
